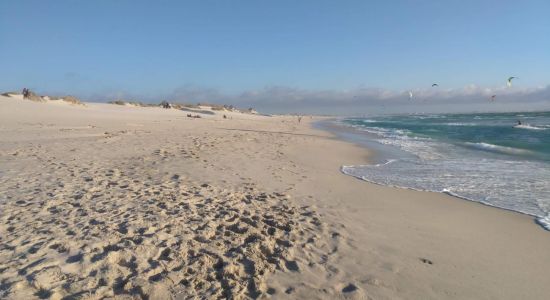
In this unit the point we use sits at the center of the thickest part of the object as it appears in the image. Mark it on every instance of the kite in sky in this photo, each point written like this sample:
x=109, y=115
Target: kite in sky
x=509, y=82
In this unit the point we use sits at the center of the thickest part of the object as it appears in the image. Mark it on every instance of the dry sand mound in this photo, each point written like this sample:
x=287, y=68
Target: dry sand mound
x=72, y=100
x=34, y=97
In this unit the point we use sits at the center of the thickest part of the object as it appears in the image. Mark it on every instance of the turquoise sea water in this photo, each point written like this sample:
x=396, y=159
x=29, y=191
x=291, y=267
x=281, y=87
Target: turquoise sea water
x=481, y=157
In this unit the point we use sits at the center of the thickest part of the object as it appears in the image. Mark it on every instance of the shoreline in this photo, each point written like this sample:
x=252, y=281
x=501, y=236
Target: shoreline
x=168, y=196
x=349, y=135
x=479, y=226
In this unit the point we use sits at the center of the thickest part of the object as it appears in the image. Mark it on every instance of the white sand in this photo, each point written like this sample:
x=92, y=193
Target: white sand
x=130, y=202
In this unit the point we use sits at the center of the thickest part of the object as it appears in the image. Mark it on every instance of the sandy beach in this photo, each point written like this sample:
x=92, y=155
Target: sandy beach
x=107, y=201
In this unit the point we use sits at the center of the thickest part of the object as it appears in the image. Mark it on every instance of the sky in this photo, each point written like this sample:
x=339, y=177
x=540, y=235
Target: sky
x=282, y=56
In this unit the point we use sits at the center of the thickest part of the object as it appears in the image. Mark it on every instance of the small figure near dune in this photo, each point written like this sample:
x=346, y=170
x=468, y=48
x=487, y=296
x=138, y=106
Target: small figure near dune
x=25, y=93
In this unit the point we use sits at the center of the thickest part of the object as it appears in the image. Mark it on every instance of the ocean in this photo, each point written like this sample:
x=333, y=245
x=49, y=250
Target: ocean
x=483, y=157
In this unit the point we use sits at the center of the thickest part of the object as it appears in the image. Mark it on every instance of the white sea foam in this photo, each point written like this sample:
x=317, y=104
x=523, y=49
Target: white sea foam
x=530, y=127
x=511, y=185
x=497, y=148
x=520, y=185
x=544, y=222
x=460, y=124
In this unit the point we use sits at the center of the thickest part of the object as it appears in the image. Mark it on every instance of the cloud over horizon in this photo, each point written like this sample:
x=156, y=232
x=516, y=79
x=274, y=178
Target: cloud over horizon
x=281, y=99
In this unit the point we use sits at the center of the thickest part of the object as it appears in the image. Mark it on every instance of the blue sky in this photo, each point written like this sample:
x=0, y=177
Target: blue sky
x=149, y=49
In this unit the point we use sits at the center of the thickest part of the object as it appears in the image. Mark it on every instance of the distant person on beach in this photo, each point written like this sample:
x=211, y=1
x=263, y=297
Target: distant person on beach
x=25, y=93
